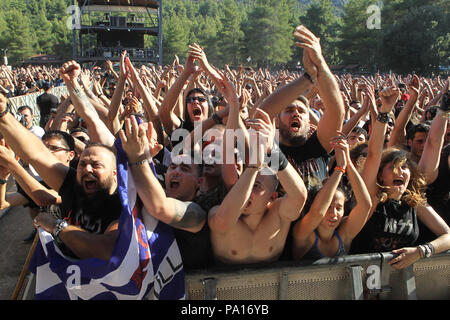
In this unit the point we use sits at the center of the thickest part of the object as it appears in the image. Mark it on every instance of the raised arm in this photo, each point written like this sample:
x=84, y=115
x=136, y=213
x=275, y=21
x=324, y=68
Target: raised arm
x=376, y=141
x=429, y=161
x=147, y=98
x=333, y=117
x=179, y=214
x=166, y=112
x=98, y=130
x=291, y=204
x=41, y=195
x=354, y=222
x=306, y=226
x=116, y=100
x=31, y=149
x=398, y=135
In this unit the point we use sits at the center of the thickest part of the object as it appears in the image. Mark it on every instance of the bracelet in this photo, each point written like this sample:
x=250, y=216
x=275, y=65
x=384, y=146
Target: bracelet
x=4, y=111
x=254, y=166
x=282, y=160
x=308, y=76
x=138, y=163
x=3, y=181
x=341, y=169
x=59, y=225
x=429, y=249
x=383, y=117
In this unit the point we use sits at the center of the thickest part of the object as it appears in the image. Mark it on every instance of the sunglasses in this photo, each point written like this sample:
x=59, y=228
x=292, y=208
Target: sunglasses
x=192, y=99
x=82, y=139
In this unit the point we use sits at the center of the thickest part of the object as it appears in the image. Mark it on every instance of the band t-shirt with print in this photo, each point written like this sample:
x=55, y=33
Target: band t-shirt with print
x=310, y=160
x=393, y=225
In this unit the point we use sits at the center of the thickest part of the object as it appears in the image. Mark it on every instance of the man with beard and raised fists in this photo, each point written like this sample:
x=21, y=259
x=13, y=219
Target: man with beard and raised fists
x=90, y=203
x=307, y=152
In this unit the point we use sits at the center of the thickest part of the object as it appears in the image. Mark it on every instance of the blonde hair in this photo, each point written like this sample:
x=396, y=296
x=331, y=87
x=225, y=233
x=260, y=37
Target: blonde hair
x=415, y=191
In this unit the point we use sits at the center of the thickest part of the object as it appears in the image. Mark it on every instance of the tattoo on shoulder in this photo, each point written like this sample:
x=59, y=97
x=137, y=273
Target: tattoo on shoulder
x=187, y=214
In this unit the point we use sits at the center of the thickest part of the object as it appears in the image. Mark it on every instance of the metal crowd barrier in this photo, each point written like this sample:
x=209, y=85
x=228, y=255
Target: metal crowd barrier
x=353, y=277
x=30, y=100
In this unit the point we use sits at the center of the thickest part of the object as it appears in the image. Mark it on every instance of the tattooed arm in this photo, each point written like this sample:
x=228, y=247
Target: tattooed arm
x=98, y=131
x=185, y=215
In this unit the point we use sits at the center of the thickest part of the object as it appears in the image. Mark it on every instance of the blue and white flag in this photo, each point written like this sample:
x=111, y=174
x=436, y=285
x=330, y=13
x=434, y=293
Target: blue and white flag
x=145, y=263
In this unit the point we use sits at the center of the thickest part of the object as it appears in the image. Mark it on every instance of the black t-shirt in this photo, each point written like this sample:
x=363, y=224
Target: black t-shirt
x=53, y=209
x=91, y=215
x=393, y=225
x=438, y=196
x=310, y=160
x=46, y=102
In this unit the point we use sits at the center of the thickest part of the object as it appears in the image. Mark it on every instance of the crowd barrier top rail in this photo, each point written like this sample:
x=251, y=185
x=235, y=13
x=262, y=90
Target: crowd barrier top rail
x=350, y=277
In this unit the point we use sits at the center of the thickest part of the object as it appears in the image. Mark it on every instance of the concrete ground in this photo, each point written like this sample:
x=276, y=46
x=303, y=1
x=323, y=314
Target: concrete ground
x=15, y=225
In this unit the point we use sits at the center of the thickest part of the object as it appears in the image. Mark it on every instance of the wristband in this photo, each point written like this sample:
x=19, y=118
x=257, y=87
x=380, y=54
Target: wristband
x=138, y=163
x=3, y=181
x=308, y=76
x=341, y=169
x=254, y=166
x=282, y=160
x=383, y=117
x=59, y=225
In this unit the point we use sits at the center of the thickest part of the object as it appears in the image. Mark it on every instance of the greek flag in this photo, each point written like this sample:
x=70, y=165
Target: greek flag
x=145, y=264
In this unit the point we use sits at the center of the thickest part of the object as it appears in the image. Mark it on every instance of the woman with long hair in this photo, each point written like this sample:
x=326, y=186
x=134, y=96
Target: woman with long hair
x=397, y=190
x=324, y=231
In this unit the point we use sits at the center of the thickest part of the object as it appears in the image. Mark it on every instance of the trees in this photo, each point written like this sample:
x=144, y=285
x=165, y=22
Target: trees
x=412, y=33
x=230, y=36
x=18, y=37
x=418, y=41
x=359, y=44
x=268, y=34
x=322, y=20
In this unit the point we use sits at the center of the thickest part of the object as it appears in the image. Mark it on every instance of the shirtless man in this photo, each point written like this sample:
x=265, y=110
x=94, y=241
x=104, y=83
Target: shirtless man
x=252, y=223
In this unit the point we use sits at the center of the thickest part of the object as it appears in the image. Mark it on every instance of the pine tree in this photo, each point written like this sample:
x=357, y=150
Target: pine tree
x=230, y=37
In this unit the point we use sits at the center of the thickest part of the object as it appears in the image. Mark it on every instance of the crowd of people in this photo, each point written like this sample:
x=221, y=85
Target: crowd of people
x=247, y=166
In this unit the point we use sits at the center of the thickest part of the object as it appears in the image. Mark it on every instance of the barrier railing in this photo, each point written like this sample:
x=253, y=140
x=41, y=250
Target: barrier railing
x=30, y=100
x=353, y=277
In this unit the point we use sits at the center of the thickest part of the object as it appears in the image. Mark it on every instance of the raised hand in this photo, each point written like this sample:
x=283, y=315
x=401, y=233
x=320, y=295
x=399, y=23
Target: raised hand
x=265, y=129
x=311, y=44
x=123, y=66
x=340, y=146
x=70, y=71
x=414, y=87
x=134, y=140
x=389, y=97
x=85, y=78
x=198, y=54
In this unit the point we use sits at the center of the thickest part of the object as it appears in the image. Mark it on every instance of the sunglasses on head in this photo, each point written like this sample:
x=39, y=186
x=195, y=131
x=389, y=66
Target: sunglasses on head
x=192, y=99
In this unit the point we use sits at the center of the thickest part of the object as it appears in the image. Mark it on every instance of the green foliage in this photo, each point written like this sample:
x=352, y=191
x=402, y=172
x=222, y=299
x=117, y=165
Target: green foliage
x=418, y=41
x=413, y=35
